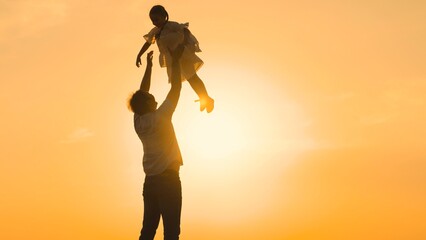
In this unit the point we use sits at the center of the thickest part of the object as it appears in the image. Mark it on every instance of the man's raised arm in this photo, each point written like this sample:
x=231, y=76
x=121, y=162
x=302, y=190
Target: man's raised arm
x=146, y=80
x=176, y=82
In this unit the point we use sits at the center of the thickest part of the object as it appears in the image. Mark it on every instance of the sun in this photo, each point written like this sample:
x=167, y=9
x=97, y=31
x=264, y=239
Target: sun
x=214, y=136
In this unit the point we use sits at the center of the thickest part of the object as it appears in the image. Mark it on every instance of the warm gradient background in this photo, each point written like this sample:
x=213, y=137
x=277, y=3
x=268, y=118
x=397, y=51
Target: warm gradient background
x=318, y=132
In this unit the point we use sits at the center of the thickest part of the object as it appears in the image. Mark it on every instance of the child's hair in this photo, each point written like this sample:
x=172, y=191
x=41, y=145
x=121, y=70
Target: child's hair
x=160, y=10
x=137, y=102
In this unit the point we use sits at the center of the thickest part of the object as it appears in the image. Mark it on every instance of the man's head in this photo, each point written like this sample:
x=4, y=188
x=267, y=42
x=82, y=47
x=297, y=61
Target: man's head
x=142, y=102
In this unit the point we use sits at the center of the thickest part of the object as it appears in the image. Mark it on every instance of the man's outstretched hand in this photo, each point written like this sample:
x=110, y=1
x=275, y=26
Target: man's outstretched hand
x=148, y=59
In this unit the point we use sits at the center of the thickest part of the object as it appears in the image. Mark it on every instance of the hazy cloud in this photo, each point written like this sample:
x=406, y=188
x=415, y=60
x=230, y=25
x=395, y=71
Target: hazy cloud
x=341, y=96
x=25, y=18
x=375, y=119
x=79, y=134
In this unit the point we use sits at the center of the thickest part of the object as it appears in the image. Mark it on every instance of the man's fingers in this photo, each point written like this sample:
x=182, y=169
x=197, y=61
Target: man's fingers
x=149, y=56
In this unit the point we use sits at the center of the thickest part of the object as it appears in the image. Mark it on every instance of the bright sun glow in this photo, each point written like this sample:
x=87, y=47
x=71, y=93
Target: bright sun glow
x=216, y=136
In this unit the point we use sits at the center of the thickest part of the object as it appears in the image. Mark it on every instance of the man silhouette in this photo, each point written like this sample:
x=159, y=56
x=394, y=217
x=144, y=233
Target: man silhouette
x=162, y=194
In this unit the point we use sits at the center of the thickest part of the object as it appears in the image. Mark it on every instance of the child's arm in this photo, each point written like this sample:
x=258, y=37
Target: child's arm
x=143, y=49
x=146, y=80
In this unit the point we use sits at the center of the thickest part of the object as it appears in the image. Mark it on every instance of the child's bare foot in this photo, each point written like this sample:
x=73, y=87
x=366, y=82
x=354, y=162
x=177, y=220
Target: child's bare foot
x=206, y=103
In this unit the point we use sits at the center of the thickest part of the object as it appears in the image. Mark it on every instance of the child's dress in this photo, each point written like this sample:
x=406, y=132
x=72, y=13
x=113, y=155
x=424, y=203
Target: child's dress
x=170, y=36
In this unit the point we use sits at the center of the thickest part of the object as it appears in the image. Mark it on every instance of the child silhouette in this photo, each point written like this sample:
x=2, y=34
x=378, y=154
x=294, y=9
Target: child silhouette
x=168, y=35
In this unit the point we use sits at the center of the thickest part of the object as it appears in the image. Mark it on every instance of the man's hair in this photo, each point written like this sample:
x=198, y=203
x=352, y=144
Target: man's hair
x=137, y=102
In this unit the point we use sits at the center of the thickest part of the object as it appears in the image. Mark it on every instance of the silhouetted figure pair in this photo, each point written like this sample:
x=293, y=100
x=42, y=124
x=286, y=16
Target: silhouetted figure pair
x=162, y=194
x=162, y=190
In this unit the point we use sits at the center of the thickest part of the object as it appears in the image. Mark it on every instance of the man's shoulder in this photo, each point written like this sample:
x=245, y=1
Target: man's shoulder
x=144, y=123
x=137, y=117
x=166, y=104
x=166, y=108
x=137, y=120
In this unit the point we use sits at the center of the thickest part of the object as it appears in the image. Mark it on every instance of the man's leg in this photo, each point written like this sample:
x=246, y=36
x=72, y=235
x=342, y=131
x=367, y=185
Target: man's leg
x=151, y=215
x=171, y=204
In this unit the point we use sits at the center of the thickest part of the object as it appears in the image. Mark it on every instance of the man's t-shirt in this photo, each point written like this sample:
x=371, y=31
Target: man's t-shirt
x=160, y=146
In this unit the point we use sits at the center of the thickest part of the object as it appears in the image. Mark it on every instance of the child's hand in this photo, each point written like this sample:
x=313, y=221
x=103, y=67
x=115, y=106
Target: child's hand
x=138, y=61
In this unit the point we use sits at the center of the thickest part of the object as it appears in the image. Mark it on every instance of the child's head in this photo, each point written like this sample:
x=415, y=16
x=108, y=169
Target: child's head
x=142, y=102
x=158, y=15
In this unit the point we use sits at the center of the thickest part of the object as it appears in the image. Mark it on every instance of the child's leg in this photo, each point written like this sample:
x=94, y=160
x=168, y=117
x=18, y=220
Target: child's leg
x=198, y=86
x=206, y=102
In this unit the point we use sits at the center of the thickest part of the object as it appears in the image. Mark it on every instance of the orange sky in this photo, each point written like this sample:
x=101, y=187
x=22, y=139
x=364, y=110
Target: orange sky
x=318, y=131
